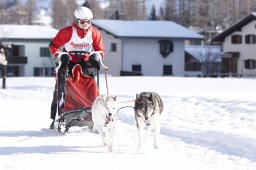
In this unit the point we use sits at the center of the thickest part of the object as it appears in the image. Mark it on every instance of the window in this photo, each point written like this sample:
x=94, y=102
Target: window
x=250, y=39
x=236, y=39
x=136, y=67
x=113, y=47
x=191, y=63
x=167, y=70
x=43, y=71
x=166, y=47
x=250, y=64
x=18, y=50
x=44, y=52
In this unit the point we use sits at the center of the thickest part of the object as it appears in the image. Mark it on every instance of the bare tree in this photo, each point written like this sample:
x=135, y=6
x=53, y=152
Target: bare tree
x=2, y=13
x=18, y=15
x=98, y=13
x=14, y=14
x=184, y=11
x=210, y=59
x=169, y=12
x=128, y=10
x=31, y=8
x=71, y=6
x=17, y=12
x=200, y=14
x=133, y=10
x=115, y=10
x=206, y=14
x=252, y=5
x=59, y=14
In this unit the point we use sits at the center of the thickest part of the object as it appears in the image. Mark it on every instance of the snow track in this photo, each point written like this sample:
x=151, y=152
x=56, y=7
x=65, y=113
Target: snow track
x=198, y=131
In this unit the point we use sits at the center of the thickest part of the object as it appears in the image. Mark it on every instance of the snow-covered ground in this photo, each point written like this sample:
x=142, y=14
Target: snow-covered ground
x=206, y=124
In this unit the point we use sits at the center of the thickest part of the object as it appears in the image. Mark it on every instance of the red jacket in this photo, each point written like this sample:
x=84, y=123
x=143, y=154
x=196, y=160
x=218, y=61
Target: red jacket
x=65, y=34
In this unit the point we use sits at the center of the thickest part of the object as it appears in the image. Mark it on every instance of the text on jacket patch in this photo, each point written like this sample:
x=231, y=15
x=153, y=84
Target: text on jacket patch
x=79, y=45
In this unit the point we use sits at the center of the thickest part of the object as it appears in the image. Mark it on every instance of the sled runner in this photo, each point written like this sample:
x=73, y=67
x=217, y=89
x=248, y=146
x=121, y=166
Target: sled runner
x=76, y=90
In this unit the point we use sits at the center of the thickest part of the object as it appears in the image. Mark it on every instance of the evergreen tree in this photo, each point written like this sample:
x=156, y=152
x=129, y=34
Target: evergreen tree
x=115, y=16
x=153, y=13
x=86, y=4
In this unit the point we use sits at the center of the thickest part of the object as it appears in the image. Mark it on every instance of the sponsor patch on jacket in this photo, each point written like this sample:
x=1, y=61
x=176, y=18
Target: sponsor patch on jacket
x=75, y=45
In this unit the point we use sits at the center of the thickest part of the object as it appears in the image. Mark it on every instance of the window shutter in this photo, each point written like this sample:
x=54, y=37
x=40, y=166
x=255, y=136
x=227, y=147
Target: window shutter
x=165, y=47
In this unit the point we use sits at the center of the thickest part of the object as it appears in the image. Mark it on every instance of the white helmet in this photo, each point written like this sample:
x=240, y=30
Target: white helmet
x=82, y=13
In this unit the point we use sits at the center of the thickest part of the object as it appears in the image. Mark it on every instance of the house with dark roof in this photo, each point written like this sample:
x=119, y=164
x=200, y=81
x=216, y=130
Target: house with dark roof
x=148, y=48
x=28, y=52
x=238, y=47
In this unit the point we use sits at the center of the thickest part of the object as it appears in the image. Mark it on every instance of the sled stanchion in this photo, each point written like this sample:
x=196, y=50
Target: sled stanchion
x=98, y=79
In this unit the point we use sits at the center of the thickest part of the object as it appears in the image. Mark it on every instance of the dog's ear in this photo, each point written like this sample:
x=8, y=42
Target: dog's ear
x=150, y=98
x=137, y=96
x=104, y=98
x=114, y=98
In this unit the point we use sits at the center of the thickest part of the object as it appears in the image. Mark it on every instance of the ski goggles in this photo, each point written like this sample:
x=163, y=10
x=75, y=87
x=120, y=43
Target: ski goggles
x=84, y=21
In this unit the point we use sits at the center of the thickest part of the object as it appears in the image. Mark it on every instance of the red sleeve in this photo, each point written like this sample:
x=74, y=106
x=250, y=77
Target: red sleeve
x=62, y=37
x=98, y=44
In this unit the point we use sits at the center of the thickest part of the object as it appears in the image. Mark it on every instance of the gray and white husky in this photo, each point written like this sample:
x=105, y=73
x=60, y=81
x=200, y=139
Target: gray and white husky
x=148, y=108
x=104, y=109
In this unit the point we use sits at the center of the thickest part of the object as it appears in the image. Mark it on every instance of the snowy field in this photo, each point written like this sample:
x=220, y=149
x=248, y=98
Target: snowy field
x=207, y=124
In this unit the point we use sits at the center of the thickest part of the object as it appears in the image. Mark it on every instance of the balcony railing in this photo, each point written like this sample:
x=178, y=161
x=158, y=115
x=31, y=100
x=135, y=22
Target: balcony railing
x=17, y=60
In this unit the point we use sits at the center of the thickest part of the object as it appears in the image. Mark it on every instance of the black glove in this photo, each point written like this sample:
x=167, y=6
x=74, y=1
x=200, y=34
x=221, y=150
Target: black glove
x=64, y=59
x=94, y=60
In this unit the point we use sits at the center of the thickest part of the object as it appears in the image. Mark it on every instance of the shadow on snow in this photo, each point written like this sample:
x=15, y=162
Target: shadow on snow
x=229, y=143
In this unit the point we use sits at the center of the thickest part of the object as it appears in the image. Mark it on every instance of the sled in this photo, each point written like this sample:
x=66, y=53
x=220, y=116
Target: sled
x=76, y=93
x=76, y=117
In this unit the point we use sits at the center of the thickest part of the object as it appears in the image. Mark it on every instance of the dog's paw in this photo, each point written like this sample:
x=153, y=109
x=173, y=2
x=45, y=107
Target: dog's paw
x=156, y=146
x=110, y=149
x=105, y=142
x=94, y=131
x=138, y=149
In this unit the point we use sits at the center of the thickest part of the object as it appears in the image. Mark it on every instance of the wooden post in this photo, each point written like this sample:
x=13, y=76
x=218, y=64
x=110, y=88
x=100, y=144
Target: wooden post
x=4, y=72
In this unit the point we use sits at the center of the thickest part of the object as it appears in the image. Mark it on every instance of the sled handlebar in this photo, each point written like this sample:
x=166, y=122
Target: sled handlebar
x=81, y=53
x=102, y=65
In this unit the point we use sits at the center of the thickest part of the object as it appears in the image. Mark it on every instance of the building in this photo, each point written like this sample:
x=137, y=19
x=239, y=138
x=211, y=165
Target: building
x=28, y=49
x=238, y=47
x=148, y=48
x=203, y=60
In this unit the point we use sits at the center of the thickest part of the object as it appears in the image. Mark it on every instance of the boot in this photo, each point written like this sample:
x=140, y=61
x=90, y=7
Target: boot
x=52, y=125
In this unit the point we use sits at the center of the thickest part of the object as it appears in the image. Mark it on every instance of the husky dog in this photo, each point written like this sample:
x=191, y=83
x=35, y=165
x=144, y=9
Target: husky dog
x=148, y=108
x=104, y=109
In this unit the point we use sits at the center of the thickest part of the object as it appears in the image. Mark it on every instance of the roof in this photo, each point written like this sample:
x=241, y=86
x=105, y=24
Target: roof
x=27, y=32
x=149, y=29
x=235, y=27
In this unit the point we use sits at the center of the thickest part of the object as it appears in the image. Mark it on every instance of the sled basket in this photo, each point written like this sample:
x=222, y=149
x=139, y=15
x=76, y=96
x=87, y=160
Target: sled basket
x=80, y=92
